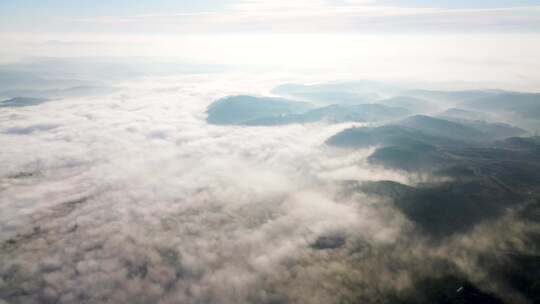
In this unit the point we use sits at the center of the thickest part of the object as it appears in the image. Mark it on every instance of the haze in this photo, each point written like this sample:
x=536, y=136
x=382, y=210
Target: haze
x=311, y=151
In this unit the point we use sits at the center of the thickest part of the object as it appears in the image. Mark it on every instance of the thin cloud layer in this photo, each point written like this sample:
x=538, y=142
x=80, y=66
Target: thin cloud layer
x=307, y=16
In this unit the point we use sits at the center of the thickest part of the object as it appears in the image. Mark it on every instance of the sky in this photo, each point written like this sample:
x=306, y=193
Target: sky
x=165, y=16
x=468, y=40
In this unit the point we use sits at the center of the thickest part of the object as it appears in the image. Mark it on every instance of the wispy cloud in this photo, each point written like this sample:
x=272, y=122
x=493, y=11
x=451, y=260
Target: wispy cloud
x=324, y=16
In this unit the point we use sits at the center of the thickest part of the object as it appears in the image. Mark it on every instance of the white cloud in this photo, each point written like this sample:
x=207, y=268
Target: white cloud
x=198, y=212
x=108, y=211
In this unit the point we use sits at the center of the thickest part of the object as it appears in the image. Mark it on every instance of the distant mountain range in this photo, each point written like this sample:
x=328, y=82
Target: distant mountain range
x=76, y=91
x=423, y=129
x=22, y=102
x=264, y=111
x=470, y=113
x=526, y=105
x=335, y=93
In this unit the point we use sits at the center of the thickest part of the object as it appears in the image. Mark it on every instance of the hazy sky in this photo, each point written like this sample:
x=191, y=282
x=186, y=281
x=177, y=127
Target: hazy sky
x=452, y=40
x=167, y=16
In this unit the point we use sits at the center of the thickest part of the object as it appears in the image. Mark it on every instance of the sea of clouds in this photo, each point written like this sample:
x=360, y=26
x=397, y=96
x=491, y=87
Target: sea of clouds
x=133, y=198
